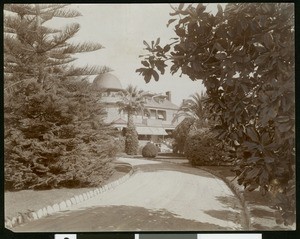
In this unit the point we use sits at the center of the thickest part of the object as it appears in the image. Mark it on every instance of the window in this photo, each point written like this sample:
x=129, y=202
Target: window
x=161, y=115
x=147, y=113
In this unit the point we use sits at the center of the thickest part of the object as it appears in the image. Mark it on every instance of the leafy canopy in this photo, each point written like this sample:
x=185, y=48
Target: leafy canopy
x=245, y=57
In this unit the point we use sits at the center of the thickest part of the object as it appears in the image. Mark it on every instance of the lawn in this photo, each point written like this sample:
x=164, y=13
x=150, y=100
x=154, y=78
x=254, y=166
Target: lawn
x=31, y=200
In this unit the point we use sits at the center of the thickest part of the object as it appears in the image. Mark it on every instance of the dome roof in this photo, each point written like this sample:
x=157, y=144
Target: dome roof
x=107, y=81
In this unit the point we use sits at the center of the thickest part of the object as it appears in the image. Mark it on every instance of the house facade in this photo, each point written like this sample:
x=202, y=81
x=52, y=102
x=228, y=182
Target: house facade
x=155, y=124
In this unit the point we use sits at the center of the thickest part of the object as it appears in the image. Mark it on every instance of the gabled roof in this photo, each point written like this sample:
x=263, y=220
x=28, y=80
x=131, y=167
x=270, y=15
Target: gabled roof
x=119, y=121
x=165, y=104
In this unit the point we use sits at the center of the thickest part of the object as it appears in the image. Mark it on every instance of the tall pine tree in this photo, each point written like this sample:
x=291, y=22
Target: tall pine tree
x=54, y=130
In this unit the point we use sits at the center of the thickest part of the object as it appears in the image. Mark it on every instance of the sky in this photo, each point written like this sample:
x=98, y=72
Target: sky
x=121, y=29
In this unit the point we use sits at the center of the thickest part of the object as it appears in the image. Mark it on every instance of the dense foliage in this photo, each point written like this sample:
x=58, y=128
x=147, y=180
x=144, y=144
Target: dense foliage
x=131, y=141
x=150, y=150
x=195, y=114
x=54, y=132
x=203, y=148
x=194, y=108
x=245, y=57
x=120, y=144
x=180, y=134
x=56, y=141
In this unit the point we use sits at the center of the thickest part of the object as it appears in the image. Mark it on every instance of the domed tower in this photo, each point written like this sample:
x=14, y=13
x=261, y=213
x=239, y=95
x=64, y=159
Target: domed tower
x=109, y=86
x=108, y=82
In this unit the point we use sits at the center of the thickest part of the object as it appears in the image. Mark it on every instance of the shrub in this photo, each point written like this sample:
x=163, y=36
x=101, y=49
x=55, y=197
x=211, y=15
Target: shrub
x=180, y=135
x=120, y=144
x=131, y=141
x=203, y=148
x=150, y=151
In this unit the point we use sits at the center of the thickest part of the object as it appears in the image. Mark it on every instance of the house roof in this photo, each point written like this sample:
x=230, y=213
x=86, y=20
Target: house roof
x=165, y=104
x=119, y=121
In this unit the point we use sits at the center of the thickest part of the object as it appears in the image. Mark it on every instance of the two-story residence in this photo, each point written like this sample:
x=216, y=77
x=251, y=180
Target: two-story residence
x=156, y=123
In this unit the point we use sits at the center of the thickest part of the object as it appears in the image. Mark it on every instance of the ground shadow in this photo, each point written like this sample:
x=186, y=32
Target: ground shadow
x=257, y=226
x=164, y=166
x=256, y=212
x=256, y=197
x=116, y=218
x=236, y=215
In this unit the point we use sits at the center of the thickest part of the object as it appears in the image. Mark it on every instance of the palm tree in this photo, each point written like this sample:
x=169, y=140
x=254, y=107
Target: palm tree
x=194, y=109
x=132, y=101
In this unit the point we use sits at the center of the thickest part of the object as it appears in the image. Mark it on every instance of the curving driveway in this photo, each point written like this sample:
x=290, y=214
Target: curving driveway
x=159, y=196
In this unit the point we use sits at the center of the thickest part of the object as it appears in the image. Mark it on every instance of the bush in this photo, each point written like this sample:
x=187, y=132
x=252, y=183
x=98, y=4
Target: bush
x=131, y=141
x=120, y=144
x=203, y=148
x=180, y=134
x=150, y=151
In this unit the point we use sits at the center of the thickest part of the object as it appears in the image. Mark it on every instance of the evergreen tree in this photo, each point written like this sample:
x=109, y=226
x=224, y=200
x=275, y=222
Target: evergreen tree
x=54, y=131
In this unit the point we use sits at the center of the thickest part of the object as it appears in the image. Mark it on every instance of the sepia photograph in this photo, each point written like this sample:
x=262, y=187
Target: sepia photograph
x=149, y=117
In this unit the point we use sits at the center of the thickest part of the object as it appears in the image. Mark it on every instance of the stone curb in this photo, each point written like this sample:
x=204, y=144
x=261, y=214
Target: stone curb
x=64, y=205
x=237, y=192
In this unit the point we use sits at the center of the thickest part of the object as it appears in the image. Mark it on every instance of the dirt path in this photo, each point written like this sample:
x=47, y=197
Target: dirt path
x=158, y=197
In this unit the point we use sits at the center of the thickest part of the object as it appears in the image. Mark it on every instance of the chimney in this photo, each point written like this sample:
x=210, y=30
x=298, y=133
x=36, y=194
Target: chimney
x=168, y=93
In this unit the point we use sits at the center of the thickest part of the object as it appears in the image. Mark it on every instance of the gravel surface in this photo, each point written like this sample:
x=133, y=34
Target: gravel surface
x=158, y=196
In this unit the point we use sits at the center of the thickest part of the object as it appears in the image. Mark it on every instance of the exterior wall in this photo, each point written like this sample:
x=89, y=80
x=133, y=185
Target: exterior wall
x=112, y=114
x=156, y=117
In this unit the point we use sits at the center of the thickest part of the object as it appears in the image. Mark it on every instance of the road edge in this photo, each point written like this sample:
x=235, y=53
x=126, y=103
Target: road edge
x=64, y=205
x=237, y=192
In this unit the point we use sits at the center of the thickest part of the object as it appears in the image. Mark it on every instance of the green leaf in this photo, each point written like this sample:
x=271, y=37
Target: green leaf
x=252, y=174
x=262, y=59
x=181, y=5
x=264, y=178
x=200, y=8
x=167, y=48
x=147, y=77
x=282, y=119
x=170, y=21
x=157, y=41
x=252, y=186
x=180, y=32
x=146, y=44
x=260, y=48
x=252, y=134
x=284, y=127
x=155, y=75
x=140, y=70
x=268, y=40
x=265, y=138
x=220, y=55
x=145, y=63
x=220, y=9
x=218, y=46
x=269, y=160
x=253, y=159
x=160, y=66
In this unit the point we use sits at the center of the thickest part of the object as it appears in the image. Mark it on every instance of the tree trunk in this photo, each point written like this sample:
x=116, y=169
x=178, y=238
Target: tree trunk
x=130, y=123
